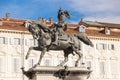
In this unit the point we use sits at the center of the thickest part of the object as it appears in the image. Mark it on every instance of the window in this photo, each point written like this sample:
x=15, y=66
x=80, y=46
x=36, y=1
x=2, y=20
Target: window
x=16, y=65
x=31, y=62
x=47, y=62
x=11, y=41
x=27, y=42
x=101, y=46
x=88, y=64
x=102, y=68
x=2, y=65
x=27, y=25
x=107, y=31
x=82, y=28
x=114, y=68
x=17, y=41
x=3, y=40
x=111, y=47
x=35, y=42
x=31, y=41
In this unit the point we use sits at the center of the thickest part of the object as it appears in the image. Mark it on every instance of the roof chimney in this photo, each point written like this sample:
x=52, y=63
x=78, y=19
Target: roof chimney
x=51, y=20
x=81, y=19
x=7, y=16
x=44, y=20
x=39, y=19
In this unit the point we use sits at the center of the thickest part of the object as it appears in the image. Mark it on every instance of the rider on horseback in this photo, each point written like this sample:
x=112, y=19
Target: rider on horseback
x=61, y=26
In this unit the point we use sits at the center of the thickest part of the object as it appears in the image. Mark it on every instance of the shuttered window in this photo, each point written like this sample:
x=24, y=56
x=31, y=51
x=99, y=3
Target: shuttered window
x=2, y=65
x=111, y=47
x=114, y=67
x=16, y=65
x=3, y=40
x=102, y=68
x=15, y=41
x=101, y=46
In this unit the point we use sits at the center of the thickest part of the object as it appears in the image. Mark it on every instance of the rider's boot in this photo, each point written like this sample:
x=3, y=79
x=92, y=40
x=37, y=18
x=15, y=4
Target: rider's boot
x=56, y=40
x=71, y=42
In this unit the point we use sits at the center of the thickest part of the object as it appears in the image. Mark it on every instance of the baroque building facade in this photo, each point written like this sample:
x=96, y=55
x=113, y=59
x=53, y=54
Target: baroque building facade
x=103, y=59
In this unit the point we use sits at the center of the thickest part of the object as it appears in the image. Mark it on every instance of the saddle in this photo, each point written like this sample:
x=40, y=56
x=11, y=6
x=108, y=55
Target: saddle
x=66, y=38
x=63, y=37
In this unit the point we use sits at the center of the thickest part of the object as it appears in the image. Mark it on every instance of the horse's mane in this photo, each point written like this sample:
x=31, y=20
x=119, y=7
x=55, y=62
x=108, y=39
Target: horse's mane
x=41, y=25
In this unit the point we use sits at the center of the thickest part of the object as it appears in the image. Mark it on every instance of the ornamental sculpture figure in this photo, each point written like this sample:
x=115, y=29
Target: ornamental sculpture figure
x=69, y=43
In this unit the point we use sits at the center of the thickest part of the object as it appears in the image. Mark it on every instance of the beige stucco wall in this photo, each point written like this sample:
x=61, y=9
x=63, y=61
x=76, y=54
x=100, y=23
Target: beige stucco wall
x=9, y=51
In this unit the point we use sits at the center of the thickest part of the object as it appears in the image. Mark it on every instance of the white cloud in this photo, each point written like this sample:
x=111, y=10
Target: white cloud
x=103, y=10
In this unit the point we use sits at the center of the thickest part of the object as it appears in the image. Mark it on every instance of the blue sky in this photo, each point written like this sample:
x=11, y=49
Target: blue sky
x=94, y=10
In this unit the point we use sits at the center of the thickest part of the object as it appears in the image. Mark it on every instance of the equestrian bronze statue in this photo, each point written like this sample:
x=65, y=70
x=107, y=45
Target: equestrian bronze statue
x=45, y=36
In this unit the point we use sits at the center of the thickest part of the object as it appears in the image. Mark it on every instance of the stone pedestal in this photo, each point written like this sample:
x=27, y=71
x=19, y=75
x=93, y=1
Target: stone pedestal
x=57, y=73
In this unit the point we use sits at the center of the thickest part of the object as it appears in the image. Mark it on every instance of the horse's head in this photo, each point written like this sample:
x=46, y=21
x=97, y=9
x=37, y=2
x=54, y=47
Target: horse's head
x=39, y=33
x=33, y=28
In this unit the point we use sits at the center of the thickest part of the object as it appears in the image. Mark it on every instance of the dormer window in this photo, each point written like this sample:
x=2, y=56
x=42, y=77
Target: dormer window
x=82, y=28
x=107, y=31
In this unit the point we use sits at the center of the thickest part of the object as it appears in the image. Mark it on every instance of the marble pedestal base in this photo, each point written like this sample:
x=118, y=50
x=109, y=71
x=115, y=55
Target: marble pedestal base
x=57, y=73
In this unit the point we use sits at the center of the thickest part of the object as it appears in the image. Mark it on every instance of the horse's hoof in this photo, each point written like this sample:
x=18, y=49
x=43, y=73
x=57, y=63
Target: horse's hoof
x=38, y=63
x=76, y=65
x=58, y=65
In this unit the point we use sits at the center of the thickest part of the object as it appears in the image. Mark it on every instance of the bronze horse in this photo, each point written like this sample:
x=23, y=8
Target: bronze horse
x=68, y=43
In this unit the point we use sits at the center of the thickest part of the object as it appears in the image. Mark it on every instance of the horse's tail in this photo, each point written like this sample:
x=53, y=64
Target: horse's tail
x=84, y=38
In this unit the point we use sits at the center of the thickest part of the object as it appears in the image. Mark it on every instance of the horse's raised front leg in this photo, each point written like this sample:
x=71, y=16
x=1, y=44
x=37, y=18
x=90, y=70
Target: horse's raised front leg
x=31, y=48
x=41, y=55
x=79, y=56
x=28, y=53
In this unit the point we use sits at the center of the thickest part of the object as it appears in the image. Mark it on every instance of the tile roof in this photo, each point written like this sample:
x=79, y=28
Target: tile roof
x=18, y=24
x=13, y=24
x=102, y=34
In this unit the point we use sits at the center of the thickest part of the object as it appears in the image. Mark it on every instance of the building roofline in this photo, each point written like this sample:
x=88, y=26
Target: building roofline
x=99, y=24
